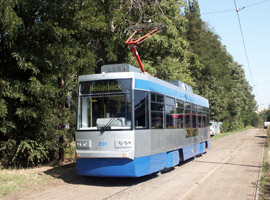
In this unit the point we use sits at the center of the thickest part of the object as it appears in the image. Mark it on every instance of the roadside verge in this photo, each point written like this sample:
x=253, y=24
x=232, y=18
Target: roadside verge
x=265, y=176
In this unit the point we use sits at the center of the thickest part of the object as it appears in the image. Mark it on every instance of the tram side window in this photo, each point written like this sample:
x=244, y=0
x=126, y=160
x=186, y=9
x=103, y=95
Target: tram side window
x=208, y=119
x=200, y=116
x=141, y=109
x=157, y=111
x=170, y=116
x=194, y=123
x=200, y=120
x=204, y=121
x=188, y=106
x=179, y=115
x=188, y=122
x=205, y=117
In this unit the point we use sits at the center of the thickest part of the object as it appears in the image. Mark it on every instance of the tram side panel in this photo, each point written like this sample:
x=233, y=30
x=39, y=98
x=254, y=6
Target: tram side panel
x=152, y=142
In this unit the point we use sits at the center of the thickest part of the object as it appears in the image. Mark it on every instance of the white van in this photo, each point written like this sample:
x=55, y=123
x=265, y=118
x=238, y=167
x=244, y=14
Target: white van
x=215, y=128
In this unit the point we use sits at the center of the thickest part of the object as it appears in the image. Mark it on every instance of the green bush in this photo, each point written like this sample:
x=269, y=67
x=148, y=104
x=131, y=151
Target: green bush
x=231, y=125
x=26, y=153
x=30, y=153
x=7, y=152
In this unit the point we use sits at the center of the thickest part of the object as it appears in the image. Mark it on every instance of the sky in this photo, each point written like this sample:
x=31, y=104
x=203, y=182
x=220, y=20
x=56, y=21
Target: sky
x=222, y=17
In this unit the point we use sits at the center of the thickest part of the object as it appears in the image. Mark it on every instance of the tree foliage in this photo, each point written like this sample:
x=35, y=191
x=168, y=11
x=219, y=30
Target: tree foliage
x=265, y=114
x=46, y=45
x=39, y=47
x=223, y=80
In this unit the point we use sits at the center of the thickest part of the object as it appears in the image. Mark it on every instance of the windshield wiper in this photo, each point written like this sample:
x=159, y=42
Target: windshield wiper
x=109, y=123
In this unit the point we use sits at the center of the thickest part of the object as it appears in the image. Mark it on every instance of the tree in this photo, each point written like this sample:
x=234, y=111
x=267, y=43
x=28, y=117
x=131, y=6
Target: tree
x=222, y=80
x=265, y=115
x=39, y=45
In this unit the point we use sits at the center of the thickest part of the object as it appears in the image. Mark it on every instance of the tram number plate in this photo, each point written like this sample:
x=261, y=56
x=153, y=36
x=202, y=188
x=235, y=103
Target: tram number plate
x=102, y=144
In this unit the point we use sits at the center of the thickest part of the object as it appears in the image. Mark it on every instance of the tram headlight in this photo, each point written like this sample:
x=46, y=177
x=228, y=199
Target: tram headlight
x=123, y=143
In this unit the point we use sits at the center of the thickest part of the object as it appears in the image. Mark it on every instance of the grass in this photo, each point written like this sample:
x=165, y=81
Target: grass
x=13, y=180
x=265, y=176
x=230, y=133
x=18, y=179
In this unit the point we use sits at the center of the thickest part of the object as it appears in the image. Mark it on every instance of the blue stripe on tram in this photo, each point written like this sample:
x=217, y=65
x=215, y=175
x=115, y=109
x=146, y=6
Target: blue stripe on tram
x=141, y=166
x=120, y=167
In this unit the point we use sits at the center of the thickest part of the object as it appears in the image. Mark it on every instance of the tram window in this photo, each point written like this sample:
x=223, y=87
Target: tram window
x=194, y=123
x=157, y=110
x=180, y=104
x=105, y=103
x=179, y=115
x=204, y=121
x=157, y=98
x=157, y=107
x=199, y=108
x=153, y=97
x=194, y=106
x=98, y=111
x=188, y=123
x=141, y=109
x=85, y=112
x=170, y=122
x=194, y=119
x=170, y=116
x=157, y=120
x=169, y=101
x=160, y=98
x=187, y=105
x=200, y=120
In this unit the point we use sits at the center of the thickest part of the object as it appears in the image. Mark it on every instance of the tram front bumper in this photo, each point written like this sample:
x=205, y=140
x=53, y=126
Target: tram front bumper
x=104, y=154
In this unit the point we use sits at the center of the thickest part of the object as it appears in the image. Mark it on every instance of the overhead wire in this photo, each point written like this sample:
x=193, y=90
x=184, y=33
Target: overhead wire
x=221, y=11
x=244, y=44
x=254, y=4
x=241, y=31
x=230, y=10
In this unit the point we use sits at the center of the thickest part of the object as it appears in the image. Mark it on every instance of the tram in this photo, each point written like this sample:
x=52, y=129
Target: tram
x=130, y=124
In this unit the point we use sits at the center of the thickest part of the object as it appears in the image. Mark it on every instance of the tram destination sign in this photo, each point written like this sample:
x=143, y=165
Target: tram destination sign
x=104, y=86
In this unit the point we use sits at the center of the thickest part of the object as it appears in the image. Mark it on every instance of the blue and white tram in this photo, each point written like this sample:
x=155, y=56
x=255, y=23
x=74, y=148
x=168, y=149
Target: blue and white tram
x=130, y=124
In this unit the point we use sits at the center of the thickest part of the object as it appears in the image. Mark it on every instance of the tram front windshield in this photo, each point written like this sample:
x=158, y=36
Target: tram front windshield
x=105, y=105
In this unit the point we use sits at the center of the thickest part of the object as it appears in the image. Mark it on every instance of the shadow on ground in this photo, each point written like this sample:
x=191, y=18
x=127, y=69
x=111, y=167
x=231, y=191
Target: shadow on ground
x=68, y=174
x=261, y=136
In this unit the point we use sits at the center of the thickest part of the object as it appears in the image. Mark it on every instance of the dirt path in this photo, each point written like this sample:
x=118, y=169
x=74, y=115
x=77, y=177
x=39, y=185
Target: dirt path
x=230, y=170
